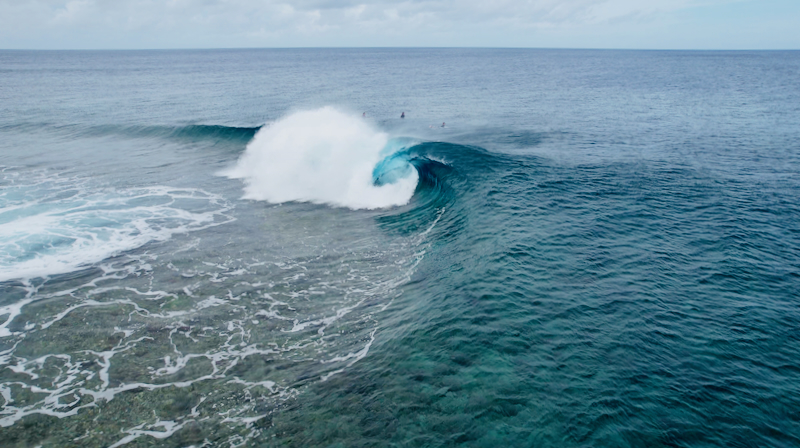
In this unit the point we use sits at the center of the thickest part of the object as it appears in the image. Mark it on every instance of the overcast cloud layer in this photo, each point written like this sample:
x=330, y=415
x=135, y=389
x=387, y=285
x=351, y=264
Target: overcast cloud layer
x=690, y=24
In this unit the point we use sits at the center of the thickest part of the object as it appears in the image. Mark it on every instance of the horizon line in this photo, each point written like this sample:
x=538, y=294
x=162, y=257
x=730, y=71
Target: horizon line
x=406, y=48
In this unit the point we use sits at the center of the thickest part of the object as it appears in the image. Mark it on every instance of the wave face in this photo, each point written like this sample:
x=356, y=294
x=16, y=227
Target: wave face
x=323, y=156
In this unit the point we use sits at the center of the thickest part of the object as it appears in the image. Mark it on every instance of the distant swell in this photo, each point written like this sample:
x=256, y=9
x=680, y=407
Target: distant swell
x=213, y=131
x=193, y=132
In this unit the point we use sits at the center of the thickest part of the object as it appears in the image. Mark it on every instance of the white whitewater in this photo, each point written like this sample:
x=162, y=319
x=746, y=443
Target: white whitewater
x=53, y=225
x=323, y=156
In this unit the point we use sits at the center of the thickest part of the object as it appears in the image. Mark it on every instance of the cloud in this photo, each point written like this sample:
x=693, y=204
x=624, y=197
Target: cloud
x=247, y=23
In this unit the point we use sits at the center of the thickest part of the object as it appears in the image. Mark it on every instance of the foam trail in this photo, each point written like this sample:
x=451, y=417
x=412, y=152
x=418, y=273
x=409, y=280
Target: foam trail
x=49, y=227
x=320, y=156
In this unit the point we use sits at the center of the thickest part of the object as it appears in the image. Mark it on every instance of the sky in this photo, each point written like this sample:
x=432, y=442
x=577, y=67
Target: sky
x=634, y=24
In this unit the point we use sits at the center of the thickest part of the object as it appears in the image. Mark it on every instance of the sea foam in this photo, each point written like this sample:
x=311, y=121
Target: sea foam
x=51, y=225
x=320, y=156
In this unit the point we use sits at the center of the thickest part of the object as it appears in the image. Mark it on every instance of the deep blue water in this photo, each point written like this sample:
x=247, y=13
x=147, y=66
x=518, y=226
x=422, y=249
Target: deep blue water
x=252, y=248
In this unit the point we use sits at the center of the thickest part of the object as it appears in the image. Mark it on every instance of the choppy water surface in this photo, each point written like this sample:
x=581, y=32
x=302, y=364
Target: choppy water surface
x=252, y=248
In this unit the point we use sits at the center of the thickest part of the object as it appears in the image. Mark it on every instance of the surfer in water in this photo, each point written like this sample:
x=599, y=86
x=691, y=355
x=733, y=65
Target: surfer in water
x=443, y=124
x=403, y=115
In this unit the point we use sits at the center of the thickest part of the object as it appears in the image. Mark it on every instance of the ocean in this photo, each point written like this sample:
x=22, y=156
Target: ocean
x=251, y=248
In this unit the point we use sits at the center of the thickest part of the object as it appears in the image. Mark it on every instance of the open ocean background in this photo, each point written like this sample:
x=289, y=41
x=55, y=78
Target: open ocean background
x=215, y=248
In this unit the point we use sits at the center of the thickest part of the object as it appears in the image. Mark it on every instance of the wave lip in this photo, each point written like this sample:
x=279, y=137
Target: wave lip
x=321, y=156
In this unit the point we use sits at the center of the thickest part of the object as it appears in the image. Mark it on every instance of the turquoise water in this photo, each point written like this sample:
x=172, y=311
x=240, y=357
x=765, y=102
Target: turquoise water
x=252, y=248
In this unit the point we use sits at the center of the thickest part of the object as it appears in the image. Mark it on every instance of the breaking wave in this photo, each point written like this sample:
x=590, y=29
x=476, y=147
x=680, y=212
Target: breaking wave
x=325, y=156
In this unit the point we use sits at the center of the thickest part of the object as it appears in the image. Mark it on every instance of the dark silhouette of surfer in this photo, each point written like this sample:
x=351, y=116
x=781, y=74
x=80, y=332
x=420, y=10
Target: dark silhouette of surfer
x=403, y=115
x=443, y=124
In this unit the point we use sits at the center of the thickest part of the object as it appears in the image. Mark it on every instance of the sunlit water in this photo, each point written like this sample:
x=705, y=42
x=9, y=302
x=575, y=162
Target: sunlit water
x=252, y=248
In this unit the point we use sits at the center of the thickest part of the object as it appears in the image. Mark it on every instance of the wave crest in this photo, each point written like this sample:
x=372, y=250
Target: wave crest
x=322, y=156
